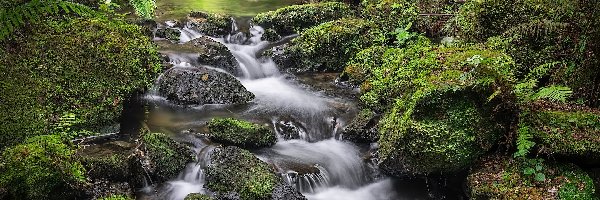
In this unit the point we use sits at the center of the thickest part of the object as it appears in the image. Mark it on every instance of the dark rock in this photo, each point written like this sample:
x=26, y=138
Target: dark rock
x=200, y=86
x=363, y=128
x=169, y=33
x=213, y=53
x=237, y=170
x=210, y=24
x=286, y=192
x=290, y=129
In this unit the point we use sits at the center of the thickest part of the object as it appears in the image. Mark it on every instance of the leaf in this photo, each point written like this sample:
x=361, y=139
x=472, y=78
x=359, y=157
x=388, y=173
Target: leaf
x=540, y=177
x=528, y=171
x=554, y=93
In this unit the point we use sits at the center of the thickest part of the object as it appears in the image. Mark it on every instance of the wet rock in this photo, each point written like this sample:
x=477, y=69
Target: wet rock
x=210, y=24
x=286, y=192
x=196, y=196
x=240, y=133
x=213, y=53
x=363, y=128
x=571, y=134
x=296, y=18
x=100, y=189
x=236, y=170
x=290, y=129
x=158, y=159
x=168, y=33
x=199, y=85
x=498, y=177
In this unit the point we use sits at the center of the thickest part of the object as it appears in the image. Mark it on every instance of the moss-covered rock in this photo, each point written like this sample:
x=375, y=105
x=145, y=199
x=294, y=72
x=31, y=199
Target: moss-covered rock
x=158, y=159
x=450, y=108
x=41, y=168
x=296, y=18
x=210, y=24
x=84, y=67
x=212, y=53
x=363, y=128
x=359, y=67
x=327, y=47
x=196, y=196
x=571, y=134
x=499, y=177
x=116, y=197
x=236, y=170
x=109, y=167
x=240, y=133
x=169, y=34
x=389, y=14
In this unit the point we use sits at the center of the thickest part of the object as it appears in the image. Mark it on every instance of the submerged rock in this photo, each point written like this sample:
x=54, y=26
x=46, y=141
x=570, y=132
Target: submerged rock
x=296, y=18
x=213, y=53
x=327, y=47
x=236, y=170
x=210, y=24
x=169, y=34
x=499, y=177
x=199, y=85
x=363, y=128
x=290, y=129
x=240, y=133
x=158, y=159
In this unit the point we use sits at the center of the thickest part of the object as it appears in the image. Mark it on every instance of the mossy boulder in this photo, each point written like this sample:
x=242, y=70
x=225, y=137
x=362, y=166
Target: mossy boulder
x=240, y=133
x=196, y=196
x=116, y=197
x=389, y=14
x=41, y=168
x=363, y=128
x=327, y=47
x=84, y=67
x=359, y=68
x=108, y=167
x=200, y=85
x=158, y=159
x=170, y=34
x=210, y=24
x=296, y=18
x=236, y=170
x=213, y=53
x=572, y=134
x=498, y=177
x=449, y=110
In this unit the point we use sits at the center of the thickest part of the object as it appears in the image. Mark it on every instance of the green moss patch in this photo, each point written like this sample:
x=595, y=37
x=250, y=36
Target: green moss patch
x=240, y=133
x=167, y=157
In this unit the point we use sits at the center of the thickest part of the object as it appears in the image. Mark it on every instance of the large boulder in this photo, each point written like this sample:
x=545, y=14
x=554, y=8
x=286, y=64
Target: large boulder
x=327, y=47
x=199, y=85
x=296, y=18
x=572, y=133
x=84, y=67
x=158, y=158
x=210, y=24
x=363, y=128
x=237, y=171
x=450, y=108
x=213, y=53
x=170, y=34
x=498, y=177
x=240, y=133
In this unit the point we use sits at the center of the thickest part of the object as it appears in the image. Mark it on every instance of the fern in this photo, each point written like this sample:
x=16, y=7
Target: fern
x=553, y=93
x=144, y=8
x=524, y=143
x=11, y=19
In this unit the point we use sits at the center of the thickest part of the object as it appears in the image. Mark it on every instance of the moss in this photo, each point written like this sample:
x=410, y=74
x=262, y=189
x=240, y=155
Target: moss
x=330, y=45
x=41, y=168
x=240, y=133
x=360, y=66
x=169, y=34
x=363, y=128
x=503, y=178
x=110, y=167
x=236, y=170
x=116, y=197
x=85, y=67
x=435, y=26
x=210, y=24
x=296, y=18
x=196, y=196
x=571, y=134
x=449, y=107
x=270, y=35
x=389, y=14
x=167, y=156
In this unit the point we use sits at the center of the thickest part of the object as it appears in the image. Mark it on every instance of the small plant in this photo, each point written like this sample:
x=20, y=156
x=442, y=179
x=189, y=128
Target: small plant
x=534, y=168
x=524, y=143
x=144, y=8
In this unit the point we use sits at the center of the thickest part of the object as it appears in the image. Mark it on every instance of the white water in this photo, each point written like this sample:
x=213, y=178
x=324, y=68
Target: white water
x=341, y=173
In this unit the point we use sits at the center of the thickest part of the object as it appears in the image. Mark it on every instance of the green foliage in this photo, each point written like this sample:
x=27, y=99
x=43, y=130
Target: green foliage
x=524, y=143
x=534, y=168
x=13, y=18
x=196, y=196
x=236, y=170
x=296, y=18
x=240, y=133
x=116, y=197
x=41, y=168
x=84, y=68
x=144, y=8
x=389, y=14
x=329, y=46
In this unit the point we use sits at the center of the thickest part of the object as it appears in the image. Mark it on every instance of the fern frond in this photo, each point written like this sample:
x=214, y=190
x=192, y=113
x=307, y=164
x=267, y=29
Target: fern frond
x=554, y=93
x=524, y=143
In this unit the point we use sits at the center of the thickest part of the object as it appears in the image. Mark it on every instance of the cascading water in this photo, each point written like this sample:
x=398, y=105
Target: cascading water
x=315, y=162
